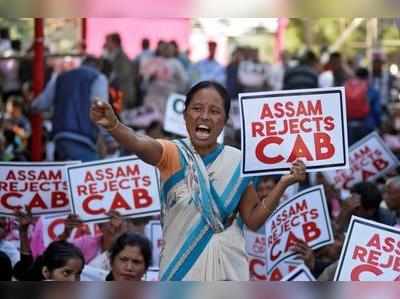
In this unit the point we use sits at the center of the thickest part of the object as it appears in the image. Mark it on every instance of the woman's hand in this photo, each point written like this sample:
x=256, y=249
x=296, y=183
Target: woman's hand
x=297, y=173
x=102, y=114
x=305, y=253
x=71, y=222
x=117, y=225
x=24, y=219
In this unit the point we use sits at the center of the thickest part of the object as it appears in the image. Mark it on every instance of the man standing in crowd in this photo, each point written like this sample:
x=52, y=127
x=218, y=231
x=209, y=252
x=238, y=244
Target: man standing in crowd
x=392, y=197
x=381, y=78
x=303, y=76
x=208, y=68
x=71, y=94
x=364, y=202
x=122, y=73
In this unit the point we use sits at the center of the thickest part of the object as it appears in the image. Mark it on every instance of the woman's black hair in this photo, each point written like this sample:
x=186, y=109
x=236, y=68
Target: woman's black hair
x=218, y=88
x=6, y=267
x=370, y=195
x=131, y=239
x=55, y=256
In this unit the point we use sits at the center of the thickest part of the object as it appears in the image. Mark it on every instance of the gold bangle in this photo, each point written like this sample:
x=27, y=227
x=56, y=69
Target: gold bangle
x=114, y=127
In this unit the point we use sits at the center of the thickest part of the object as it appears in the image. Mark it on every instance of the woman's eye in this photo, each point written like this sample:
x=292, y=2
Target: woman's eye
x=66, y=273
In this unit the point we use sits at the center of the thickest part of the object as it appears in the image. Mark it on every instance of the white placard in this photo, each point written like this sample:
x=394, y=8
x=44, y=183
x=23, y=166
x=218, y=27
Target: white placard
x=173, y=121
x=369, y=159
x=154, y=233
x=41, y=187
x=279, y=127
x=255, y=244
x=301, y=273
x=127, y=185
x=283, y=268
x=371, y=252
x=305, y=217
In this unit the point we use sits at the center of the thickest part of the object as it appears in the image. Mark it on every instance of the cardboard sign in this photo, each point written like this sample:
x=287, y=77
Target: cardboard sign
x=154, y=233
x=42, y=187
x=127, y=185
x=306, y=217
x=256, y=250
x=279, y=127
x=371, y=252
x=283, y=269
x=53, y=227
x=301, y=273
x=369, y=159
x=174, y=121
x=255, y=244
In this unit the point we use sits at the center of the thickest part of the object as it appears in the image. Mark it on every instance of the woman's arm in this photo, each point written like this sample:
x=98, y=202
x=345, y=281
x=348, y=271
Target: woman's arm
x=146, y=148
x=254, y=210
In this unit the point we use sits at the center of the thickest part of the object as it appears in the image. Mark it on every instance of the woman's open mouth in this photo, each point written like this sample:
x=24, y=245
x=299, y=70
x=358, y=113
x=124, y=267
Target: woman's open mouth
x=202, y=132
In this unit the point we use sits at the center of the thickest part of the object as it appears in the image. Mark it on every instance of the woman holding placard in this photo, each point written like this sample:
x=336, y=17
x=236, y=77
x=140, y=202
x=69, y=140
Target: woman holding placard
x=202, y=189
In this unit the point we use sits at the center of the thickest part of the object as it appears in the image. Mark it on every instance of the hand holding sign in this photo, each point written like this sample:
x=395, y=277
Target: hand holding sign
x=305, y=253
x=71, y=222
x=24, y=219
x=116, y=225
x=297, y=173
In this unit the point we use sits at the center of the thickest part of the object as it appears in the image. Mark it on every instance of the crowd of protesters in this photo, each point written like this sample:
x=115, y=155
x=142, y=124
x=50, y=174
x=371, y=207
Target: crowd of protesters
x=138, y=89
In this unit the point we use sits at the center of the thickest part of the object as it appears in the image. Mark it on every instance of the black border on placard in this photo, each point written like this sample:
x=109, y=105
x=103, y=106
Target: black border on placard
x=358, y=220
x=291, y=276
x=275, y=170
x=136, y=215
x=38, y=164
x=317, y=245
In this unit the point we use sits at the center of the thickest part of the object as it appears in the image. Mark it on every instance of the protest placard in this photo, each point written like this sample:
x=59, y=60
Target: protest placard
x=154, y=233
x=257, y=268
x=301, y=273
x=305, y=216
x=371, y=252
x=173, y=121
x=369, y=159
x=126, y=185
x=279, y=127
x=256, y=250
x=53, y=227
x=255, y=244
x=41, y=187
x=283, y=269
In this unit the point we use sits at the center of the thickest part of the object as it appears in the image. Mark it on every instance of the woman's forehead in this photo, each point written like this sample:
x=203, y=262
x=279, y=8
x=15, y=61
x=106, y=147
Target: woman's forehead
x=208, y=96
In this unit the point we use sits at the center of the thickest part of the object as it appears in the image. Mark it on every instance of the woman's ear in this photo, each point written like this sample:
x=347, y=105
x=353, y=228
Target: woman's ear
x=46, y=273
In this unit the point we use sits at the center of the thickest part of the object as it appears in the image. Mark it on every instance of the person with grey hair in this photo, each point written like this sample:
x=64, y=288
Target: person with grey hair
x=391, y=196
